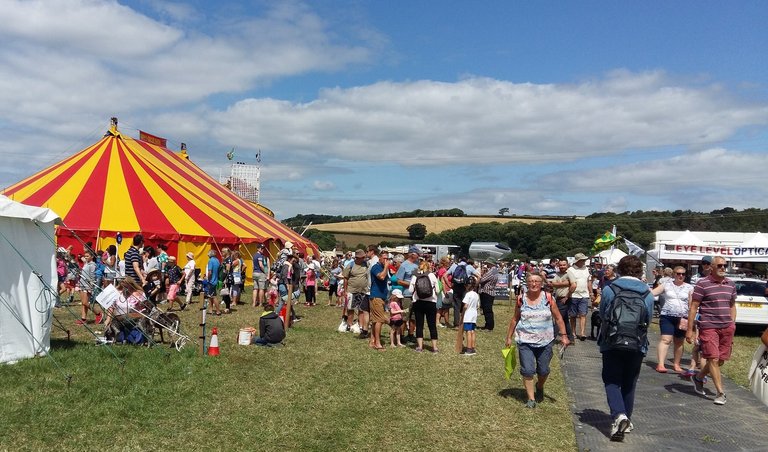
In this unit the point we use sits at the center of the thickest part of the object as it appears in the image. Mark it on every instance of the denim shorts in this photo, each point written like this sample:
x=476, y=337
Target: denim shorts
x=579, y=307
x=669, y=326
x=534, y=360
x=469, y=327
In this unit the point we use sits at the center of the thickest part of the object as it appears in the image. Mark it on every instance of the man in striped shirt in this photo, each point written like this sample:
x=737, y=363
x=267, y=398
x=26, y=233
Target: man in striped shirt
x=487, y=292
x=714, y=297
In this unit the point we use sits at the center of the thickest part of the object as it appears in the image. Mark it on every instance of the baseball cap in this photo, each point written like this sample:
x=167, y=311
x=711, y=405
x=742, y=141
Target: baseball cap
x=414, y=249
x=397, y=293
x=706, y=260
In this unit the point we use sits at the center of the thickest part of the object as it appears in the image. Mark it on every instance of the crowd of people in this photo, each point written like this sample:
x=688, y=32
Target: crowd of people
x=397, y=295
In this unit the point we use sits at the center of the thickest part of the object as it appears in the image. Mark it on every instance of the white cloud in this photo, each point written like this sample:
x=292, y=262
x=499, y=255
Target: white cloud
x=83, y=56
x=481, y=120
x=323, y=185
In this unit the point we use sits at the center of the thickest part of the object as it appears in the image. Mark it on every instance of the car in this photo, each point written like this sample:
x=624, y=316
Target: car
x=751, y=303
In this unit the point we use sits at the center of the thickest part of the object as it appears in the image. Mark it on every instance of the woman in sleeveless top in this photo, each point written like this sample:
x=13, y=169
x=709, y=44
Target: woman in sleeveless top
x=534, y=334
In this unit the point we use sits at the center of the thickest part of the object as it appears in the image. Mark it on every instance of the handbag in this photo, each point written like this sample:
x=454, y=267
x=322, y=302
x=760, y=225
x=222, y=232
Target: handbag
x=683, y=325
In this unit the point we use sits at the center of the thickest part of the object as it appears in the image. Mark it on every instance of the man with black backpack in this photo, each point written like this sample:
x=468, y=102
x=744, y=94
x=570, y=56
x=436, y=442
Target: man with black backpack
x=459, y=279
x=626, y=311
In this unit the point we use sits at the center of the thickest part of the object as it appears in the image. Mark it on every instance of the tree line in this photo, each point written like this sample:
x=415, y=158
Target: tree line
x=548, y=239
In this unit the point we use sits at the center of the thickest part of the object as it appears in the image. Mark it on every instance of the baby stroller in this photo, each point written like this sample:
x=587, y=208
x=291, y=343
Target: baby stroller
x=197, y=288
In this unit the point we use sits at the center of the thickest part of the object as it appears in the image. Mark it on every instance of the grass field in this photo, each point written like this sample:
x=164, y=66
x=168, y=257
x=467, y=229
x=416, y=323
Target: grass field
x=323, y=391
x=434, y=224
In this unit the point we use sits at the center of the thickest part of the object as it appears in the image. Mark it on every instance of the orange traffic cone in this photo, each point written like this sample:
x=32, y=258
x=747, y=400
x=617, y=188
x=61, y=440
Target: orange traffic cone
x=213, y=347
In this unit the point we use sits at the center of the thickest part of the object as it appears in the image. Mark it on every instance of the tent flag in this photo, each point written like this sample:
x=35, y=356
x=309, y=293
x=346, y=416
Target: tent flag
x=634, y=249
x=604, y=241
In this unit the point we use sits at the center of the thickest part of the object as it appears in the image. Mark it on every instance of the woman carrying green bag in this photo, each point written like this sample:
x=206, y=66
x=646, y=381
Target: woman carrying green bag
x=534, y=333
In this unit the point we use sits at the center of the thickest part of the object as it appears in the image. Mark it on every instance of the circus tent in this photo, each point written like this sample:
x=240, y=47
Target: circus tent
x=121, y=184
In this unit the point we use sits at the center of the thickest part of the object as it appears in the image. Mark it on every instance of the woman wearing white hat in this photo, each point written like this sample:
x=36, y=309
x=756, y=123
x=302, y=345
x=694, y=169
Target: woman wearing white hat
x=189, y=276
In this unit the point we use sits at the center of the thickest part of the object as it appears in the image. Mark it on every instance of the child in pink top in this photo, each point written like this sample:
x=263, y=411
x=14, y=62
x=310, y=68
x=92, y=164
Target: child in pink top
x=309, y=287
x=395, y=318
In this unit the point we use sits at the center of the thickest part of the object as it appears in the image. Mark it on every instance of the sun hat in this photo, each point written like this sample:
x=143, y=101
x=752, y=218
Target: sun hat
x=580, y=257
x=190, y=255
x=359, y=253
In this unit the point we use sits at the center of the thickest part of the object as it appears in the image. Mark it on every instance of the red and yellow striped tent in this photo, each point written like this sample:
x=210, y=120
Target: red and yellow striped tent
x=130, y=186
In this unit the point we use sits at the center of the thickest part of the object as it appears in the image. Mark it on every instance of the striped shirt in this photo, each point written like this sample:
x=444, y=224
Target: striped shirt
x=716, y=299
x=488, y=281
x=131, y=256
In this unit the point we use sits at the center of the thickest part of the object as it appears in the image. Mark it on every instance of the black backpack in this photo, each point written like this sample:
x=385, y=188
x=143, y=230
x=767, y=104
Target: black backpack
x=423, y=286
x=625, y=325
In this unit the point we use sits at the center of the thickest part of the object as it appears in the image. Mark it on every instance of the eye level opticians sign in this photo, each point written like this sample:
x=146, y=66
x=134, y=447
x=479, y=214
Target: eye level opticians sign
x=734, y=251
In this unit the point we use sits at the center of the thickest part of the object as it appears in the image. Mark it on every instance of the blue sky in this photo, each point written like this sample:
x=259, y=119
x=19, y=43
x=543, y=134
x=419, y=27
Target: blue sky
x=556, y=108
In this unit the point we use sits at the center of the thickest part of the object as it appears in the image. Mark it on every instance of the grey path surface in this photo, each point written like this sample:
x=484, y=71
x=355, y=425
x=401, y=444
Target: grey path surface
x=668, y=414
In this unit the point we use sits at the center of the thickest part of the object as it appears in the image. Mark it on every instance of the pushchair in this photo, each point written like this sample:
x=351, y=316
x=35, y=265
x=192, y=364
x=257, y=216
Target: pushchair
x=197, y=288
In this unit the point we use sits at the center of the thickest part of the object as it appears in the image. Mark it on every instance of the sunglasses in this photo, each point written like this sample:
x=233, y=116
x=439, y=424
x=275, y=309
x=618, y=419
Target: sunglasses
x=680, y=274
x=720, y=265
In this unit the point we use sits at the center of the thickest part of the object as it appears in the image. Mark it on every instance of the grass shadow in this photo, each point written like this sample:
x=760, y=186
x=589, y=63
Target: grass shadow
x=62, y=344
x=515, y=393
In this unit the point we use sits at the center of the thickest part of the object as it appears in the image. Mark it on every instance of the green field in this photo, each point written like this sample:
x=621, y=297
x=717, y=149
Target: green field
x=323, y=391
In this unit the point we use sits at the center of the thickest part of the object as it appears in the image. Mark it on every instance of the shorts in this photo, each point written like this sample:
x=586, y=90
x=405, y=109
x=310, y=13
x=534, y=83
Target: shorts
x=234, y=290
x=469, y=327
x=378, y=315
x=579, y=307
x=210, y=290
x=669, y=326
x=716, y=343
x=396, y=323
x=260, y=281
x=359, y=302
x=172, y=291
x=332, y=288
x=534, y=360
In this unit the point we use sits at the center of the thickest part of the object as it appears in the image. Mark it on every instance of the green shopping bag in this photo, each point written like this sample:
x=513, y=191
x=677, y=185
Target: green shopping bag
x=510, y=360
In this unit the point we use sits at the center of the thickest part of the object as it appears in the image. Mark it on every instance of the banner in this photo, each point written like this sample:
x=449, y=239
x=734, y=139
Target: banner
x=152, y=139
x=726, y=251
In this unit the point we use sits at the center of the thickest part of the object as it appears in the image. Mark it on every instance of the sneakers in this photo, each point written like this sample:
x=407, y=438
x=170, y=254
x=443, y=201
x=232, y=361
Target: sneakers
x=720, y=399
x=470, y=352
x=530, y=404
x=99, y=317
x=539, y=395
x=698, y=385
x=630, y=427
x=618, y=428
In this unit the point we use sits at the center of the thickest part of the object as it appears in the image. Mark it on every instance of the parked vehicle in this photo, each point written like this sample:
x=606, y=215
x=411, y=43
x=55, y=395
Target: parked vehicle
x=751, y=303
x=484, y=250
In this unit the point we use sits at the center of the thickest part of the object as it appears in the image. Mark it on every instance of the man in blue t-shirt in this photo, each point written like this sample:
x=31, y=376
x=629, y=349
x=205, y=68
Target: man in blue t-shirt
x=403, y=278
x=260, y=275
x=212, y=275
x=379, y=292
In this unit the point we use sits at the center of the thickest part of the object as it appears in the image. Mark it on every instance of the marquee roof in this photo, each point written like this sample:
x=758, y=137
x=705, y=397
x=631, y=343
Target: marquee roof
x=131, y=186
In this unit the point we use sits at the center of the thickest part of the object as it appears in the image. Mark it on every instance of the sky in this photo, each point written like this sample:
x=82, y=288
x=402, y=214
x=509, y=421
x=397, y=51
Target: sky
x=364, y=107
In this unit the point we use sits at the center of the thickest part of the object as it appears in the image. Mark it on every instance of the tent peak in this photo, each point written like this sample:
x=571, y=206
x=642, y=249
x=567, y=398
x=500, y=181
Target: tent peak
x=113, y=128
